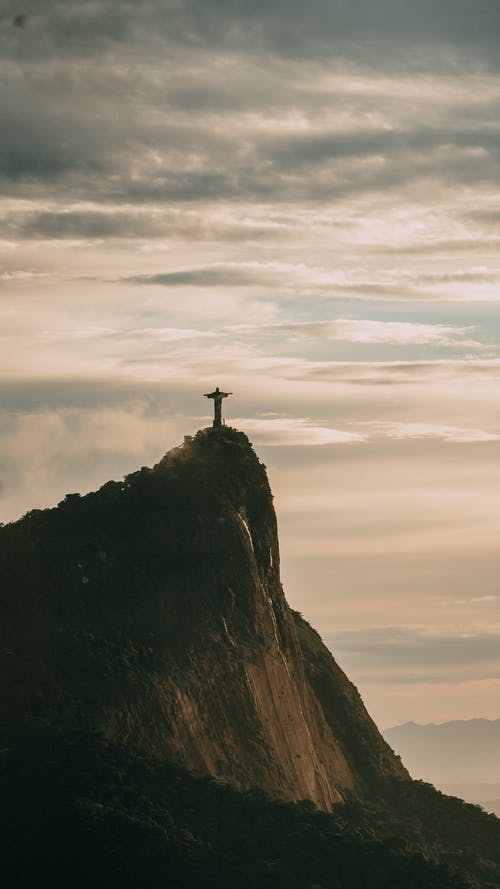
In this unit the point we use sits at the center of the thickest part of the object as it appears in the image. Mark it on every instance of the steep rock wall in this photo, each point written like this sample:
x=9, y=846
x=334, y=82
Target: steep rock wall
x=153, y=612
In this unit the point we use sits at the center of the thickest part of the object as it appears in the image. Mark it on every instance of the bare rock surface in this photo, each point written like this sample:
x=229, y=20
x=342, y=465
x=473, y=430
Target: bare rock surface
x=152, y=612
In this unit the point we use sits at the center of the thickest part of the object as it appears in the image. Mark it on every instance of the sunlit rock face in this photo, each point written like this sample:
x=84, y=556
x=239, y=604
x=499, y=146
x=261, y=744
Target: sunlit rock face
x=152, y=611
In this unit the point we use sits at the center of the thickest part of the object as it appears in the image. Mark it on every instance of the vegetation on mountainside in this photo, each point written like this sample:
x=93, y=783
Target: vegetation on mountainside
x=83, y=813
x=102, y=590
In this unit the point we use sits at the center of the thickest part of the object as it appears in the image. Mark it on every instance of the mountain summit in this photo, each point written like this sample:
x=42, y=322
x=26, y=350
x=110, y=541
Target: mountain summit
x=152, y=611
x=169, y=721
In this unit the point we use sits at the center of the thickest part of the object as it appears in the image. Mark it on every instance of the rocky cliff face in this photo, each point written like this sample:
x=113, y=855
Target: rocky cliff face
x=152, y=611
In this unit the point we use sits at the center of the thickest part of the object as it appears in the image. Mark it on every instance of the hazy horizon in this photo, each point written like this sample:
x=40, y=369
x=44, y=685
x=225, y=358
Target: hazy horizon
x=301, y=205
x=460, y=758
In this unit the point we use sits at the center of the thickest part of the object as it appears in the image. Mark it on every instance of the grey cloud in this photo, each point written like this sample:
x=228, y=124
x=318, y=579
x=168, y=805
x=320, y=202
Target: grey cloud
x=85, y=224
x=397, y=372
x=404, y=30
x=82, y=148
x=292, y=176
x=486, y=215
x=485, y=276
x=484, y=246
x=70, y=27
x=293, y=150
x=43, y=141
x=116, y=131
x=247, y=276
x=263, y=178
x=122, y=223
x=309, y=280
x=412, y=654
x=210, y=276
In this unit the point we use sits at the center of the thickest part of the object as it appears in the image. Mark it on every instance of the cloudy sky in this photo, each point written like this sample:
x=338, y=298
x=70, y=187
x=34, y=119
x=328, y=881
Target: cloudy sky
x=299, y=202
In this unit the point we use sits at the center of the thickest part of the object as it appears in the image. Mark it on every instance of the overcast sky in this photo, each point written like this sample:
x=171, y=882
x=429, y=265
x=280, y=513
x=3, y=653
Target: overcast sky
x=299, y=202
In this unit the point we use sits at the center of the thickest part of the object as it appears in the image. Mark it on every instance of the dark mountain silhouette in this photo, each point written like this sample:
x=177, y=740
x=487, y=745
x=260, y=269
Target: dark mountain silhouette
x=152, y=611
x=154, y=680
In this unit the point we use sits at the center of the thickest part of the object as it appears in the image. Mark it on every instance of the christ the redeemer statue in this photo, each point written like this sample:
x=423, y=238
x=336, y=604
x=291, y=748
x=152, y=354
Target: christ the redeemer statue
x=217, y=397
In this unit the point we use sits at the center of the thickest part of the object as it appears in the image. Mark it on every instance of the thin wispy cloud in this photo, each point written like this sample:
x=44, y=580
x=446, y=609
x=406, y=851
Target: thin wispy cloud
x=371, y=331
x=474, y=600
x=428, y=430
x=401, y=285
x=293, y=431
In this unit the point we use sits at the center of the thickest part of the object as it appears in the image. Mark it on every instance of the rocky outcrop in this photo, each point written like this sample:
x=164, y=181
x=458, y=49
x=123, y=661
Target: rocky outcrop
x=152, y=611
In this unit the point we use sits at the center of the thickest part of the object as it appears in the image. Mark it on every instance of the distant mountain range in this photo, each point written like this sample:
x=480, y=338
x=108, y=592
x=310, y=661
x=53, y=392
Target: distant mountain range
x=461, y=758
